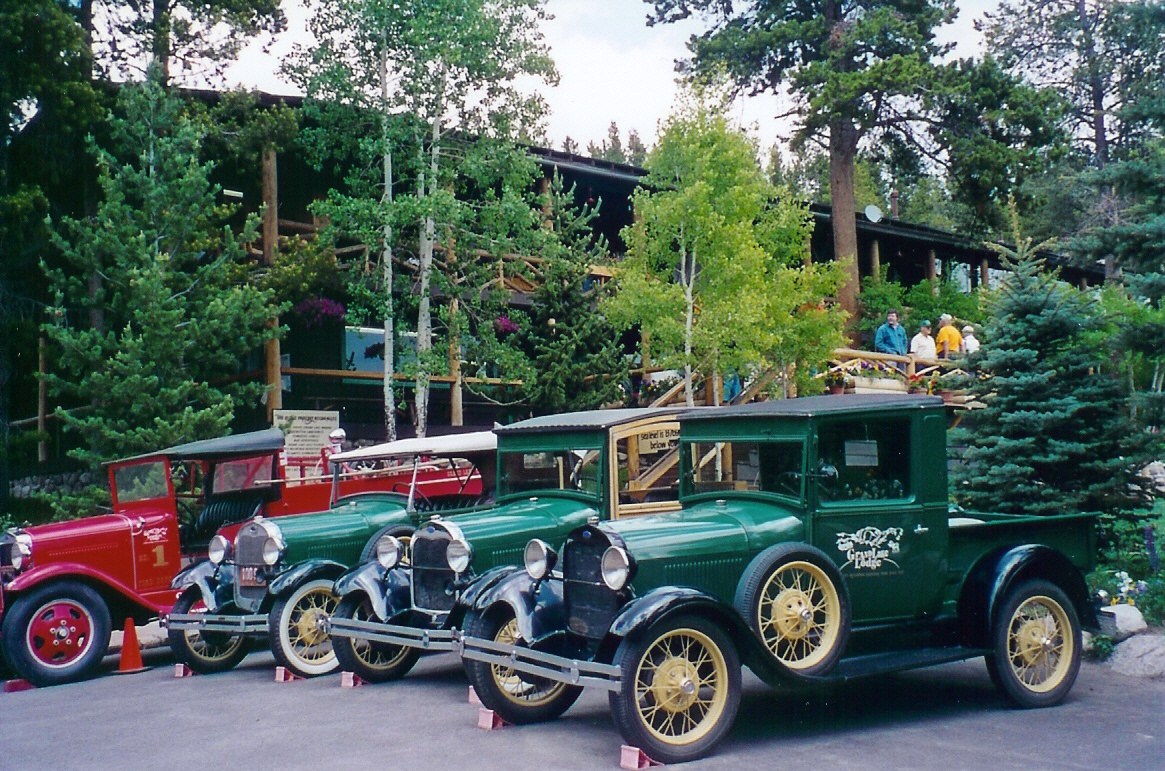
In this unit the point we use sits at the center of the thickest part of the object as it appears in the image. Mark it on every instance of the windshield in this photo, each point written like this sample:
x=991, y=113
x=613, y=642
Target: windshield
x=772, y=467
x=524, y=472
x=243, y=474
x=141, y=481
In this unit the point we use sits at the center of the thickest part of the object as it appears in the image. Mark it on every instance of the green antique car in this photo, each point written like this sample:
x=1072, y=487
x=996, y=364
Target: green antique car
x=816, y=544
x=555, y=473
x=275, y=579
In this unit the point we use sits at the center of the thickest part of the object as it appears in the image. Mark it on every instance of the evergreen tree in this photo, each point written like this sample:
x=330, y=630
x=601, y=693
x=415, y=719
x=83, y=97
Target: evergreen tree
x=1055, y=435
x=179, y=316
x=578, y=363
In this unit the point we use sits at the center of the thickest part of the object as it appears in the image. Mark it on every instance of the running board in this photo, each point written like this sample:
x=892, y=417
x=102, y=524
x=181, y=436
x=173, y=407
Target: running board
x=872, y=664
x=207, y=622
x=393, y=634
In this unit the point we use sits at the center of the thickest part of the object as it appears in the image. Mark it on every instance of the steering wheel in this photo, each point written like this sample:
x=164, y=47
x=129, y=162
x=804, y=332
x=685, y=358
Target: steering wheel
x=789, y=482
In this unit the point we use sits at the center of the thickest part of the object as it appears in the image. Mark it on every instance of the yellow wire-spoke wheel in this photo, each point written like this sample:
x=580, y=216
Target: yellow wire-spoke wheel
x=1040, y=645
x=681, y=686
x=375, y=655
x=204, y=652
x=307, y=631
x=799, y=614
x=512, y=685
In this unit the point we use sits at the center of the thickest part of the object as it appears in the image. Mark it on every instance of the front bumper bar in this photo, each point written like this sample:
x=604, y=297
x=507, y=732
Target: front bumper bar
x=393, y=634
x=213, y=622
x=549, y=666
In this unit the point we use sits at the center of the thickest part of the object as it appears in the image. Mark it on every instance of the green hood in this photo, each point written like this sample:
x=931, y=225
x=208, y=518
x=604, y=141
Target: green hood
x=340, y=533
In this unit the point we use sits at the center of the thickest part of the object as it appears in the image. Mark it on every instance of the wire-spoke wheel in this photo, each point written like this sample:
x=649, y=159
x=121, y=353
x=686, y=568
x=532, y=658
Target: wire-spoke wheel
x=375, y=662
x=298, y=624
x=1036, y=645
x=518, y=698
x=681, y=689
x=793, y=600
x=204, y=652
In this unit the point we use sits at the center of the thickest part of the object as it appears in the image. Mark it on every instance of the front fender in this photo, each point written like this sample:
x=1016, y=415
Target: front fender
x=203, y=576
x=309, y=570
x=387, y=590
x=72, y=570
x=989, y=582
x=536, y=605
x=471, y=596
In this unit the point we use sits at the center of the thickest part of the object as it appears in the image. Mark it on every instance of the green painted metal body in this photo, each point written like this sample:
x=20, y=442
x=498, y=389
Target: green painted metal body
x=340, y=533
x=916, y=572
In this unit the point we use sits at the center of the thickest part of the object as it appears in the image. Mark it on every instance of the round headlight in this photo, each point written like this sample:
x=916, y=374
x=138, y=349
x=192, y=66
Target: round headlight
x=217, y=550
x=21, y=552
x=616, y=567
x=458, y=554
x=271, y=551
x=540, y=559
x=388, y=551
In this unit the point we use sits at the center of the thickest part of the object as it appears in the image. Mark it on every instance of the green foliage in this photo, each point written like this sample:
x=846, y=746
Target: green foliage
x=612, y=148
x=1102, y=647
x=879, y=296
x=1055, y=435
x=153, y=311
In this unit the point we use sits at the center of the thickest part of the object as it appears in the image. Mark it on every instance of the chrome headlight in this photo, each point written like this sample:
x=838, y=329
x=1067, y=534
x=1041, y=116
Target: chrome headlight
x=389, y=551
x=218, y=549
x=272, y=551
x=616, y=568
x=22, y=551
x=540, y=559
x=458, y=554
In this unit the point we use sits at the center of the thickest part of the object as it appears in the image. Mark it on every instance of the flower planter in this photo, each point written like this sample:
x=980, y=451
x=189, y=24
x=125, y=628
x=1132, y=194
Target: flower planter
x=867, y=385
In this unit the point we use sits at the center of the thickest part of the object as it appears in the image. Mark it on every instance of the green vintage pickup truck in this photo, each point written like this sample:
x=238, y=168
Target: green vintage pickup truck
x=555, y=473
x=815, y=543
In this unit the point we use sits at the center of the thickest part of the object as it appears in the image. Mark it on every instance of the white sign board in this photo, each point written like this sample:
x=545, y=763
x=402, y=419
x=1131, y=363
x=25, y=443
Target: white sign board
x=306, y=431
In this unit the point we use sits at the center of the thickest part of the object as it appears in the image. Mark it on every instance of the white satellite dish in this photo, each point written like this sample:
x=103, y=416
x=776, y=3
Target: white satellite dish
x=873, y=213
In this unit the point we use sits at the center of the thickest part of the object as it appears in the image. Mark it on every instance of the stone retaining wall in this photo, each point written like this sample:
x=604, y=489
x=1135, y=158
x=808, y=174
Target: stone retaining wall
x=66, y=482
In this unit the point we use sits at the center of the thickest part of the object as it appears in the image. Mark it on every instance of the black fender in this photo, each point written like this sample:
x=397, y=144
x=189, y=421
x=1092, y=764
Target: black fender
x=536, y=605
x=388, y=590
x=305, y=571
x=996, y=574
x=215, y=583
x=642, y=613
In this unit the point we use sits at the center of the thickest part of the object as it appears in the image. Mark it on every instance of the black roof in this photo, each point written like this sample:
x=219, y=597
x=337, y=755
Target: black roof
x=590, y=420
x=267, y=440
x=818, y=405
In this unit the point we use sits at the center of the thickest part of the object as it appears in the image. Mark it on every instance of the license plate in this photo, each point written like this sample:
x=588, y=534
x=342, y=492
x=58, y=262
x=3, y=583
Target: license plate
x=250, y=576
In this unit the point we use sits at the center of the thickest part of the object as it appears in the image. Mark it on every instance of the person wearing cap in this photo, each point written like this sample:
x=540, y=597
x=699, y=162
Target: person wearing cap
x=970, y=342
x=948, y=341
x=922, y=344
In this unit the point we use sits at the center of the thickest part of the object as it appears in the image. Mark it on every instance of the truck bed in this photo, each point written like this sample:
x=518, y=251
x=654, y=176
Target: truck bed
x=974, y=534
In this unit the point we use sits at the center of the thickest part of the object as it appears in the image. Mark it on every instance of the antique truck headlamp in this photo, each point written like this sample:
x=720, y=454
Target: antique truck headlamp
x=273, y=545
x=616, y=567
x=389, y=551
x=218, y=550
x=540, y=559
x=22, y=552
x=272, y=550
x=458, y=554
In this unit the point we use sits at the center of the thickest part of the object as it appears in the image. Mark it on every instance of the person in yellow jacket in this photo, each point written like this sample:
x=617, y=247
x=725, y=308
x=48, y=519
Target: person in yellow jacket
x=948, y=341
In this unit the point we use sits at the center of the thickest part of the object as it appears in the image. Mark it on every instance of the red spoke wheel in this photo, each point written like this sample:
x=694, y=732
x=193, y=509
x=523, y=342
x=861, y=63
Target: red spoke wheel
x=57, y=633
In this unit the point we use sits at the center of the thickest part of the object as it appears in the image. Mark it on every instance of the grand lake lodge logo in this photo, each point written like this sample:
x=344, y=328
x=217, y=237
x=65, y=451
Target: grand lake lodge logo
x=870, y=547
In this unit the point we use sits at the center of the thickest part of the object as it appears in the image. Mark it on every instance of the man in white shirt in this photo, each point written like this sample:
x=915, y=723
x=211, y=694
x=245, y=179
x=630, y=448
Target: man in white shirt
x=922, y=344
x=970, y=342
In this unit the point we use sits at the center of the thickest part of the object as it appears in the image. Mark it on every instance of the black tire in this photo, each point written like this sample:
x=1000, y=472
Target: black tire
x=374, y=662
x=403, y=532
x=681, y=652
x=79, y=638
x=1036, y=645
x=297, y=629
x=204, y=652
x=518, y=699
x=795, y=601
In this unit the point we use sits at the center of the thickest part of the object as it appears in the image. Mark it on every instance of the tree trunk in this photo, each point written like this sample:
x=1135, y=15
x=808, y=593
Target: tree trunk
x=386, y=258
x=160, y=44
x=688, y=276
x=424, y=313
x=843, y=146
x=1087, y=28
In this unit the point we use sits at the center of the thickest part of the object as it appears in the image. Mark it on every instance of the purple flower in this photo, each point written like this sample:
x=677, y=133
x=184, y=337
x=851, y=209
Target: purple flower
x=316, y=311
x=505, y=326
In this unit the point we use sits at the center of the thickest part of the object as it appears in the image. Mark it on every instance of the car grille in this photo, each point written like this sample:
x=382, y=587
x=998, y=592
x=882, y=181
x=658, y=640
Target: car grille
x=431, y=574
x=249, y=553
x=590, y=604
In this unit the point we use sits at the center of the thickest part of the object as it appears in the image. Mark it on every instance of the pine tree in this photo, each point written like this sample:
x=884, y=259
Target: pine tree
x=1055, y=436
x=178, y=315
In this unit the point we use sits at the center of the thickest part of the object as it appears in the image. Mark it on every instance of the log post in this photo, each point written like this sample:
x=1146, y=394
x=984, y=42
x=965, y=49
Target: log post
x=42, y=447
x=271, y=352
x=984, y=274
x=931, y=271
x=875, y=260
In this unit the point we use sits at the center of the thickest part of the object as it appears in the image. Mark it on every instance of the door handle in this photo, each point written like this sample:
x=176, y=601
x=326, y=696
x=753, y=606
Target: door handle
x=920, y=530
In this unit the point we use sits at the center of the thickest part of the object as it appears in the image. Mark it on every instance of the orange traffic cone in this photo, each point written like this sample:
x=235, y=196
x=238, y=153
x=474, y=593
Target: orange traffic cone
x=131, y=651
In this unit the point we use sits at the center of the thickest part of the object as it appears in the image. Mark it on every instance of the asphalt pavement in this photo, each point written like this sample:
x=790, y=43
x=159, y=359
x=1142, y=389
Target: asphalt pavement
x=947, y=717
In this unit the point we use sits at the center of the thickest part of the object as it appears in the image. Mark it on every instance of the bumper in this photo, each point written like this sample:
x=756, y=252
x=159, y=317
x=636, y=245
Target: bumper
x=549, y=666
x=212, y=622
x=393, y=634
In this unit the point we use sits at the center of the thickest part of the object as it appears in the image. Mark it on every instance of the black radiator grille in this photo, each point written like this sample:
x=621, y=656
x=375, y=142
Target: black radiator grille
x=431, y=574
x=590, y=604
x=249, y=545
